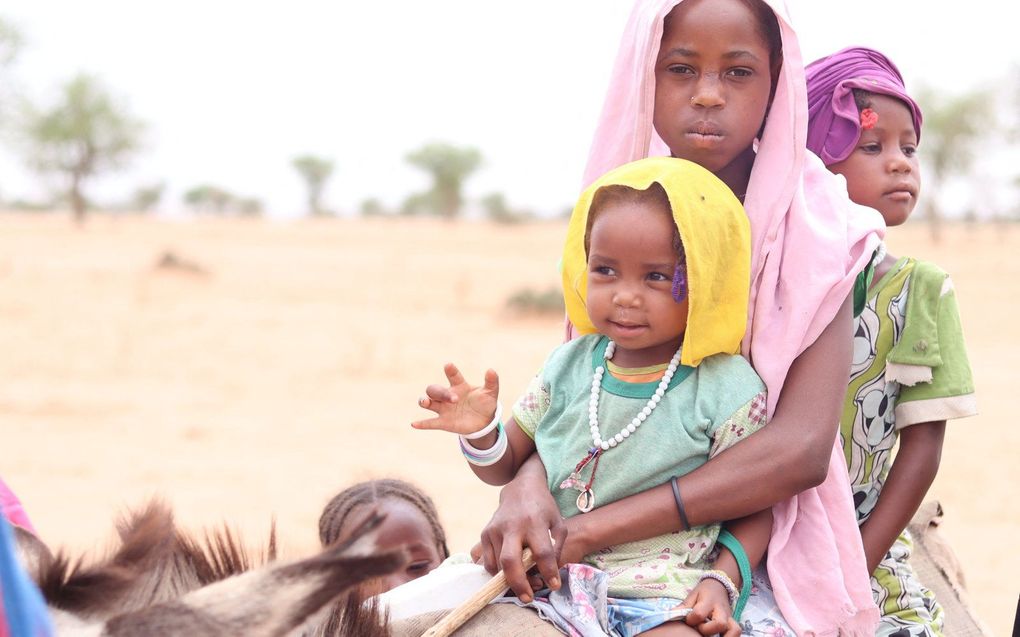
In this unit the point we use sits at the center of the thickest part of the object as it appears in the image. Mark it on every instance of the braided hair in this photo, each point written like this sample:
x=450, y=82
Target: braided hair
x=336, y=513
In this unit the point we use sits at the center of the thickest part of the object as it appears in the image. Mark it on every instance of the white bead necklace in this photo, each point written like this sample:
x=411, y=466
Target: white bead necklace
x=586, y=499
x=596, y=390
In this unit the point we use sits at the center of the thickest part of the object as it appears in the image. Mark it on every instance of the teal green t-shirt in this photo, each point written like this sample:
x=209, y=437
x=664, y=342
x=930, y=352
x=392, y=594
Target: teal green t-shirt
x=674, y=440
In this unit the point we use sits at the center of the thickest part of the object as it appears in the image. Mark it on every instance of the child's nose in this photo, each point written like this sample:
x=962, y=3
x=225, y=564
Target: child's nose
x=900, y=162
x=625, y=296
x=708, y=91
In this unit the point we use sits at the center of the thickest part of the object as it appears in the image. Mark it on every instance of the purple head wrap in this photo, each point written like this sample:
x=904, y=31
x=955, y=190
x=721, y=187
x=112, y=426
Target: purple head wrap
x=834, y=122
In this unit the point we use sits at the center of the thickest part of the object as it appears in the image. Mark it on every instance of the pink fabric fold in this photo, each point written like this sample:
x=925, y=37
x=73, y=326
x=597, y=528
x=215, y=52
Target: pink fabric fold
x=808, y=244
x=10, y=508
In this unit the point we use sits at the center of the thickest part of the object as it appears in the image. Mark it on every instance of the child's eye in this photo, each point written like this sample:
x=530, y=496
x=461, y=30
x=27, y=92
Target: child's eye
x=418, y=568
x=872, y=148
x=741, y=72
x=680, y=69
x=604, y=270
x=909, y=150
x=659, y=276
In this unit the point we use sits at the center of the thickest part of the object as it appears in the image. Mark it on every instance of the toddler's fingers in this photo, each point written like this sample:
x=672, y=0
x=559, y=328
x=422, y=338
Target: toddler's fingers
x=492, y=382
x=439, y=394
x=732, y=629
x=453, y=374
x=698, y=615
x=715, y=626
x=431, y=423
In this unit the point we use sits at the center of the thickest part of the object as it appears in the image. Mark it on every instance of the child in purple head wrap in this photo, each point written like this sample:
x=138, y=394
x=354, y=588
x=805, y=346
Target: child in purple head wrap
x=910, y=372
x=834, y=120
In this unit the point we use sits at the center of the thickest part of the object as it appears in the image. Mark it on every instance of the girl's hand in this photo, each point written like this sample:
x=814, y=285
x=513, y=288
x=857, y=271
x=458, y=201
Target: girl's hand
x=527, y=517
x=461, y=408
x=710, y=610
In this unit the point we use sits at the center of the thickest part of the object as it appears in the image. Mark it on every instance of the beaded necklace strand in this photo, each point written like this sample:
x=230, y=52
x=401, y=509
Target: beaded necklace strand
x=586, y=499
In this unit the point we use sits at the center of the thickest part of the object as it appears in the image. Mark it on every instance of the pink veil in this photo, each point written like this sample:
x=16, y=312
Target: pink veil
x=808, y=243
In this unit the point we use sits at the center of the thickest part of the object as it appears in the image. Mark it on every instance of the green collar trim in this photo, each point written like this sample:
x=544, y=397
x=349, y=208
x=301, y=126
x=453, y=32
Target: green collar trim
x=618, y=387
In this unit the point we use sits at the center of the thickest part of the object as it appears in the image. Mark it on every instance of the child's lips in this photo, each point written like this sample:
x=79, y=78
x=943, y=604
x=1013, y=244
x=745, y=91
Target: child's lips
x=901, y=193
x=705, y=134
x=627, y=327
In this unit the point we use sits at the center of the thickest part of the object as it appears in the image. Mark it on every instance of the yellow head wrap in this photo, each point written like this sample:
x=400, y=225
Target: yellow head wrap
x=717, y=241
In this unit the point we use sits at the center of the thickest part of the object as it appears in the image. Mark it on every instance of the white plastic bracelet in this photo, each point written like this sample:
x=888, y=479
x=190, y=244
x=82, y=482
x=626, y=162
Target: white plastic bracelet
x=486, y=457
x=496, y=419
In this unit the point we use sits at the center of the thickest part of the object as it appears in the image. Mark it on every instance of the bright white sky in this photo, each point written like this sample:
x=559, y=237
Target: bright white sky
x=233, y=90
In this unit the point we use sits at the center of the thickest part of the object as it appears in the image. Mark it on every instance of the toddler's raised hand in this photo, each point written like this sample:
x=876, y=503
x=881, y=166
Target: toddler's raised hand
x=461, y=408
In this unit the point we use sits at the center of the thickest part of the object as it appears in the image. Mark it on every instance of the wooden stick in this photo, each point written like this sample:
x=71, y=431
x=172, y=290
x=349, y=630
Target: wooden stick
x=471, y=606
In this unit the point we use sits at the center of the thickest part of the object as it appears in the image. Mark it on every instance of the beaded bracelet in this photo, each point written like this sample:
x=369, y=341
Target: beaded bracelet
x=727, y=583
x=497, y=418
x=485, y=457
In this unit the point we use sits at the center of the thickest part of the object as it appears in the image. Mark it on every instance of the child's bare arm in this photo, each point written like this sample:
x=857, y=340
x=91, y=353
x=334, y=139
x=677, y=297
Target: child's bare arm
x=753, y=532
x=911, y=474
x=465, y=409
x=710, y=606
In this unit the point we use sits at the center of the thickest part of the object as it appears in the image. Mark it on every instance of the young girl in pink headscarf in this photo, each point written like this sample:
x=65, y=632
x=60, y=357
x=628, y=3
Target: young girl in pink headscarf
x=721, y=83
x=910, y=371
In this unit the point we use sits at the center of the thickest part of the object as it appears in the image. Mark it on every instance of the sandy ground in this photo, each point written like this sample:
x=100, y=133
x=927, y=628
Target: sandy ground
x=290, y=365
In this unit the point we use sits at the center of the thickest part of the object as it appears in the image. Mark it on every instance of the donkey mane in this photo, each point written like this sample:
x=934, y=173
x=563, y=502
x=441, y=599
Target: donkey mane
x=87, y=588
x=160, y=580
x=153, y=562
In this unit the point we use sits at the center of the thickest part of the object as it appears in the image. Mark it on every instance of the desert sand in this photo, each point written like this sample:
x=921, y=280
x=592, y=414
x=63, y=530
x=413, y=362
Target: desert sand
x=286, y=364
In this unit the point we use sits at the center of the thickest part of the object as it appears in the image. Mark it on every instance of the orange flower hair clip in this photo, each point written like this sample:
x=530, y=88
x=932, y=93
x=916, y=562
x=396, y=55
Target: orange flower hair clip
x=868, y=119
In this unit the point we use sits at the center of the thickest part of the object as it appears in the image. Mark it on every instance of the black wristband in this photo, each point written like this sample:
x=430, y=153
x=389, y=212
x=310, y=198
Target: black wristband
x=685, y=525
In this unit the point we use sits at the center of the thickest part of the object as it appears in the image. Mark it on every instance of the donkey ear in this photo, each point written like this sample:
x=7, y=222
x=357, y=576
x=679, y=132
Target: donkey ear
x=269, y=601
x=33, y=553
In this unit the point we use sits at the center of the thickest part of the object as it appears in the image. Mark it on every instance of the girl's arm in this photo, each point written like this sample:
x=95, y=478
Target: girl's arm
x=777, y=462
x=788, y=456
x=911, y=474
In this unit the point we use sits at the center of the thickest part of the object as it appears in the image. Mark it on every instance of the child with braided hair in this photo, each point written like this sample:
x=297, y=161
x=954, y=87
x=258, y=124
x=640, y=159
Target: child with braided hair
x=411, y=520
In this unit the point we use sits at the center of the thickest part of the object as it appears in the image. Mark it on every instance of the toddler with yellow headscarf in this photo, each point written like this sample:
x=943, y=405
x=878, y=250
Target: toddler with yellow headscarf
x=656, y=273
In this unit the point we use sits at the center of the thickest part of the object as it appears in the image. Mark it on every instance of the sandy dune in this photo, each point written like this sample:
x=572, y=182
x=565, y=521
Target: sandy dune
x=290, y=368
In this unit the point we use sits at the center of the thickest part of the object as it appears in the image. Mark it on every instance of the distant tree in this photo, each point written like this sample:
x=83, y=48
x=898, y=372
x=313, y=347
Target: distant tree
x=208, y=199
x=145, y=198
x=11, y=42
x=213, y=200
x=249, y=207
x=952, y=125
x=449, y=166
x=372, y=207
x=83, y=134
x=315, y=171
x=10, y=46
x=497, y=210
x=416, y=204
